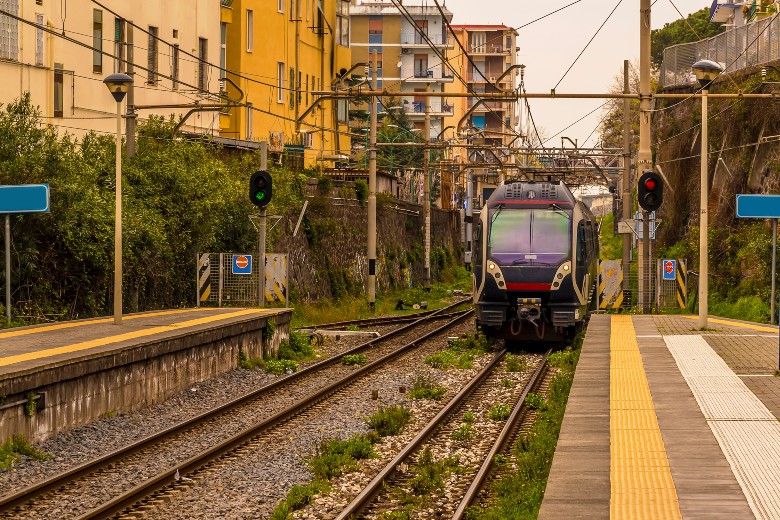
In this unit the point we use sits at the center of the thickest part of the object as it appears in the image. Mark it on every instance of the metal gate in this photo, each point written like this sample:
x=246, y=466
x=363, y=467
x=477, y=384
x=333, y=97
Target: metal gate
x=672, y=284
x=617, y=291
x=233, y=279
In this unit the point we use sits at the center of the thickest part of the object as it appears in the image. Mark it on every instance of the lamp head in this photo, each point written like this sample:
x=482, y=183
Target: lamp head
x=118, y=85
x=706, y=71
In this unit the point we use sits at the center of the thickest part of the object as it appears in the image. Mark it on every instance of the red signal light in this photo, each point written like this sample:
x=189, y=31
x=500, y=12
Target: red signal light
x=650, y=184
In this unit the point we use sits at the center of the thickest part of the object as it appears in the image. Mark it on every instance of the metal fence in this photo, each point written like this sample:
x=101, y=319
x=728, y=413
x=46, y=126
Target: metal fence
x=653, y=293
x=738, y=48
x=221, y=283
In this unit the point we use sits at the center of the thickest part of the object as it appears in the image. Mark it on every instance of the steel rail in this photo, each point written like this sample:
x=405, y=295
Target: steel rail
x=388, y=320
x=361, y=501
x=504, y=438
x=189, y=467
x=9, y=502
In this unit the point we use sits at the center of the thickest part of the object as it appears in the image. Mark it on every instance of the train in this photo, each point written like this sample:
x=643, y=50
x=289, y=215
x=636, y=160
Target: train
x=535, y=263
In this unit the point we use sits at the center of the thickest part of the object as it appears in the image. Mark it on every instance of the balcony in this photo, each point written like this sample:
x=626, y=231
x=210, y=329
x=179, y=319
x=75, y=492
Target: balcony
x=226, y=3
x=722, y=10
x=437, y=75
x=487, y=106
x=415, y=39
x=489, y=48
x=489, y=77
x=417, y=108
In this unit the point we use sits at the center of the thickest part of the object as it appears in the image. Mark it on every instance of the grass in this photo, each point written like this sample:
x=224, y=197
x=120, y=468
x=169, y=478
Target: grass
x=516, y=363
x=425, y=388
x=468, y=417
x=17, y=446
x=507, y=383
x=291, y=350
x=499, y=412
x=535, y=401
x=430, y=473
x=746, y=308
x=390, y=420
x=464, y=432
x=354, y=359
x=297, y=347
x=333, y=459
x=519, y=492
x=460, y=352
x=327, y=311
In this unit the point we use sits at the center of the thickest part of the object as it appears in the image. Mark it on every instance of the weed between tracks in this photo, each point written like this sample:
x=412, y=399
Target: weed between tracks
x=424, y=387
x=519, y=492
x=12, y=451
x=291, y=351
x=460, y=353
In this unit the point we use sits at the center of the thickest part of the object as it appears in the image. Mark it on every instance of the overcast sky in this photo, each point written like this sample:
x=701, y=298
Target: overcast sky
x=549, y=46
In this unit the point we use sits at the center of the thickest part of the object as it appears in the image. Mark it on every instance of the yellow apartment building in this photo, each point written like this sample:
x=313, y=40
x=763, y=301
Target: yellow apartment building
x=60, y=52
x=278, y=52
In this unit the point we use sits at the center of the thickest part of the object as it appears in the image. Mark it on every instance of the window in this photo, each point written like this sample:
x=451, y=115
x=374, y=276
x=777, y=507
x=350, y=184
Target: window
x=250, y=30
x=9, y=31
x=375, y=25
x=249, y=111
x=420, y=65
x=152, y=56
x=175, y=66
x=299, y=86
x=97, y=40
x=203, y=56
x=292, y=87
x=59, y=83
x=223, y=50
x=119, y=48
x=478, y=42
x=529, y=236
x=421, y=32
x=342, y=23
x=508, y=43
x=39, y=40
x=280, y=82
x=280, y=6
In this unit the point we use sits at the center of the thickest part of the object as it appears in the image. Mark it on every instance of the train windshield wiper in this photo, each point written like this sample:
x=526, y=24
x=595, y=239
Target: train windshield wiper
x=558, y=209
x=499, y=207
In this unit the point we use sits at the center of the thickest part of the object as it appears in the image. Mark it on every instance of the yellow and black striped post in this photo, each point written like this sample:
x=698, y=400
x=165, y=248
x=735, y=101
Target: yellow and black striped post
x=682, y=283
x=204, y=278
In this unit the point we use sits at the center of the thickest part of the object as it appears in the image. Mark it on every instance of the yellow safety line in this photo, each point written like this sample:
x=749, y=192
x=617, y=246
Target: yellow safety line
x=642, y=485
x=72, y=324
x=107, y=340
x=736, y=324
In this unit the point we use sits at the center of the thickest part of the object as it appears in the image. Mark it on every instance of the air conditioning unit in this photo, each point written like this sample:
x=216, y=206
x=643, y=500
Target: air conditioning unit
x=406, y=51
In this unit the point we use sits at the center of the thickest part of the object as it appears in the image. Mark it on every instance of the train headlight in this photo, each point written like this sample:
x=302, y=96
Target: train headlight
x=566, y=267
x=491, y=265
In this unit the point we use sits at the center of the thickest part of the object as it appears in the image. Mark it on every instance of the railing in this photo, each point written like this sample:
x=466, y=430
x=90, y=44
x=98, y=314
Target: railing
x=226, y=3
x=415, y=38
x=489, y=48
x=428, y=74
x=738, y=48
x=418, y=107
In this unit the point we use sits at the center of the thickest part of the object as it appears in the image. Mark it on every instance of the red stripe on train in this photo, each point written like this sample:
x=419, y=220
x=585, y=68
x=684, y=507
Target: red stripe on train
x=528, y=286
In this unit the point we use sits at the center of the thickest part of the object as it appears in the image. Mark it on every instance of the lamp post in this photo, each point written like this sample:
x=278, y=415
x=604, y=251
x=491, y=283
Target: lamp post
x=706, y=71
x=118, y=85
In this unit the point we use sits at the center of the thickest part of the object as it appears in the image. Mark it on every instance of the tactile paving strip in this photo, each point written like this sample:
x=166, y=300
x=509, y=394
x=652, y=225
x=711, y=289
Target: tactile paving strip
x=746, y=430
x=641, y=482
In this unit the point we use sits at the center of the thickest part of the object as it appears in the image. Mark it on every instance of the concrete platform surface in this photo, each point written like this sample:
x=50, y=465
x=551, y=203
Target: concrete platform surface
x=667, y=421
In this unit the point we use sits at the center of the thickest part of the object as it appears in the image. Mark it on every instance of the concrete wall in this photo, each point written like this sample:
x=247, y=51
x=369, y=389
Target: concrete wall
x=130, y=379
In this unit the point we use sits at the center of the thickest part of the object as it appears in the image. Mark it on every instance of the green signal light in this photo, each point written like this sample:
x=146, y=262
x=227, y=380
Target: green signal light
x=260, y=196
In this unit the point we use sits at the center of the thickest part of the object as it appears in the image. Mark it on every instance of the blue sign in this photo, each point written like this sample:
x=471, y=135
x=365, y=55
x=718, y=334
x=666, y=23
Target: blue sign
x=669, y=268
x=24, y=198
x=758, y=206
x=242, y=264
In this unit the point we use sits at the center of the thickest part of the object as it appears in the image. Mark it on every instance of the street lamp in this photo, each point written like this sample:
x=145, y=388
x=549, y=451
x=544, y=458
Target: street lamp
x=706, y=71
x=118, y=85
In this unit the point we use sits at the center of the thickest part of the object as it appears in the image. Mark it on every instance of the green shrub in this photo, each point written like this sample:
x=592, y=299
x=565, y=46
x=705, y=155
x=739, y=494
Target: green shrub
x=361, y=191
x=464, y=432
x=430, y=474
x=425, y=388
x=499, y=412
x=389, y=420
x=516, y=363
x=468, y=417
x=297, y=347
x=18, y=445
x=338, y=457
x=354, y=359
x=279, y=366
x=534, y=401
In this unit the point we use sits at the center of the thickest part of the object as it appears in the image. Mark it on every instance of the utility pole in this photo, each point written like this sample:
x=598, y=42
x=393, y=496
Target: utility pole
x=626, y=189
x=644, y=155
x=261, y=231
x=372, y=189
x=130, y=121
x=427, y=192
x=8, y=267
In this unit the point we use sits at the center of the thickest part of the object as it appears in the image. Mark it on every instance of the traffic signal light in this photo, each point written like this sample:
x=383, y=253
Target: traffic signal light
x=651, y=191
x=260, y=188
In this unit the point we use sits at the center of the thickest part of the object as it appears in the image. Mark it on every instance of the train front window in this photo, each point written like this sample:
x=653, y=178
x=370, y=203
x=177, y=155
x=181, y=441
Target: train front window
x=530, y=236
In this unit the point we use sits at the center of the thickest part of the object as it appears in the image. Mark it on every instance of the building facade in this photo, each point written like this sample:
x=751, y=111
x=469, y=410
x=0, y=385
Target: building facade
x=60, y=52
x=278, y=53
x=410, y=42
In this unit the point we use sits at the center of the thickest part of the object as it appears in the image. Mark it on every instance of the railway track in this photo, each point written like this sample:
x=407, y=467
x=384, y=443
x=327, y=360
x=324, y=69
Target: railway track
x=374, y=498
x=35, y=499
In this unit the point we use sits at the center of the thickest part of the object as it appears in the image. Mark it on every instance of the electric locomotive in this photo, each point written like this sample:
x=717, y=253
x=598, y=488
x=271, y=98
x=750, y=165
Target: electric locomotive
x=535, y=262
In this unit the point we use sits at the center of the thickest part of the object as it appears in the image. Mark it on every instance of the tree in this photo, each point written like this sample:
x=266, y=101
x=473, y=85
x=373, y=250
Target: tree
x=695, y=27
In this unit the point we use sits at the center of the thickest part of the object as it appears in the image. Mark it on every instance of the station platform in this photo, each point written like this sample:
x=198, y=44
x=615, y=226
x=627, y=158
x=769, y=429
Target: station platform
x=78, y=371
x=667, y=421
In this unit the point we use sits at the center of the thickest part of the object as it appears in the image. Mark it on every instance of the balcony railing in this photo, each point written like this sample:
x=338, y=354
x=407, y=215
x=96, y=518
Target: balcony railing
x=226, y=3
x=418, y=107
x=435, y=74
x=415, y=38
x=489, y=48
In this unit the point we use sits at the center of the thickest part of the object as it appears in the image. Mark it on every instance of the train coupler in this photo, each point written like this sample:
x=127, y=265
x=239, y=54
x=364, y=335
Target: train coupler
x=529, y=309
